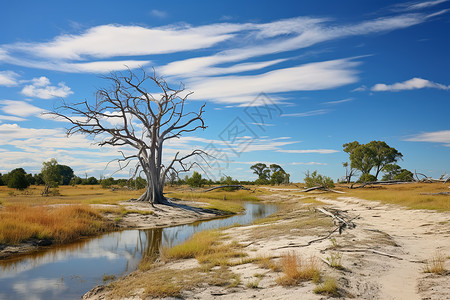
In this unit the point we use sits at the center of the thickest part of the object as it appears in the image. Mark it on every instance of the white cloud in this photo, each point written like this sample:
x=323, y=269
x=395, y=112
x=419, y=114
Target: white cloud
x=41, y=88
x=158, y=13
x=338, y=101
x=360, y=89
x=320, y=151
x=307, y=113
x=11, y=118
x=307, y=77
x=8, y=78
x=442, y=136
x=118, y=40
x=412, y=84
x=20, y=108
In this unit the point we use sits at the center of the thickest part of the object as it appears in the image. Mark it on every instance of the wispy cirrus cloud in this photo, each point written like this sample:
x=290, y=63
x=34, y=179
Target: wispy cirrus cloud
x=411, y=84
x=41, y=88
x=442, y=136
x=8, y=78
x=310, y=113
x=19, y=109
x=418, y=5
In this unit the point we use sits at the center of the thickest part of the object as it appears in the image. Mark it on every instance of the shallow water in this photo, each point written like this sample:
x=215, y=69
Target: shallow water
x=69, y=271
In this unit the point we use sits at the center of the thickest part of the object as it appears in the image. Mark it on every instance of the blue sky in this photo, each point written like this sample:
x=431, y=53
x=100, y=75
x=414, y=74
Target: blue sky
x=296, y=79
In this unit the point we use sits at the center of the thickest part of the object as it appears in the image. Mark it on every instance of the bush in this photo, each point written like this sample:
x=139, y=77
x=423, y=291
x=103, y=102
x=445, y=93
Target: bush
x=314, y=179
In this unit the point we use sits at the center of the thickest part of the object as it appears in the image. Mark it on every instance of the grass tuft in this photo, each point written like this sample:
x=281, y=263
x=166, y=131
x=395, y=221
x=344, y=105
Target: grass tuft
x=436, y=264
x=329, y=287
x=296, y=269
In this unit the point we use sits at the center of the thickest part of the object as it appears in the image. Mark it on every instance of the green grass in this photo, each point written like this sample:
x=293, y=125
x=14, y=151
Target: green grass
x=329, y=287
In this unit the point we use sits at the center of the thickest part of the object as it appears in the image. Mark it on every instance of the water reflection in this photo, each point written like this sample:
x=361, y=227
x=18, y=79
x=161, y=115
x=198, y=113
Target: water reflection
x=67, y=272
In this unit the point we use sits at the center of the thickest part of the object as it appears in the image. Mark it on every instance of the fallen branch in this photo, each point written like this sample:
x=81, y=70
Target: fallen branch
x=341, y=223
x=372, y=251
x=322, y=188
x=226, y=186
x=440, y=193
x=387, y=182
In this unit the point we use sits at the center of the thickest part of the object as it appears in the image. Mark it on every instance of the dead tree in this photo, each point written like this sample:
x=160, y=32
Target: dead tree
x=128, y=115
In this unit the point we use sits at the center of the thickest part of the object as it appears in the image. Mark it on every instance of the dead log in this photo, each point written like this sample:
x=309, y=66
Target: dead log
x=225, y=186
x=386, y=182
x=321, y=187
x=371, y=251
x=434, y=194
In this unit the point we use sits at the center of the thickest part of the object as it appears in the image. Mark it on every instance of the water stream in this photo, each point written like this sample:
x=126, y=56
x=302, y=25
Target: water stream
x=69, y=271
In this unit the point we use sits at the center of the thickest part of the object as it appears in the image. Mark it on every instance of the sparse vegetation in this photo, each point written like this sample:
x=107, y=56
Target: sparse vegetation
x=297, y=269
x=335, y=260
x=436, y=264
x=313, y=179
x=328, y=287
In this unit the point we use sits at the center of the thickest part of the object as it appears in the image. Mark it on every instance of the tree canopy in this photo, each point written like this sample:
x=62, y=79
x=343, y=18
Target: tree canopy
x=274, y=174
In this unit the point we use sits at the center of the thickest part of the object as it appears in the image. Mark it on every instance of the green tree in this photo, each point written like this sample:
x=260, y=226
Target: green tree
x=367, y=178
x=390, y=171
x=313, y=179
x=1, y=180
x=92, y=181
x=279, y=176
x=262, y=171
x=17, y=179
x=66, y=173
x=374, y=155
x=404, y=175
x=50, y=175
x=196, y=180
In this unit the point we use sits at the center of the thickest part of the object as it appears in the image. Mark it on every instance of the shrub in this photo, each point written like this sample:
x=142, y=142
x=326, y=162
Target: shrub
x=313, y=179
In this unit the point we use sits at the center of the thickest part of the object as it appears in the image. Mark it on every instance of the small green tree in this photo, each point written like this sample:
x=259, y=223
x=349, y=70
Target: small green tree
x=313, y=179
x=196, y=180
x=50, y=175
x=279, y=176
x=373, y=155
x=17, y=179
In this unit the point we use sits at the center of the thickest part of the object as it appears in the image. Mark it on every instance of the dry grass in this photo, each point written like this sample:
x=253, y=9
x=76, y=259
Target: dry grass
x=207, y=248
x=61, y=224
x=297, y=269
x=411, y=195
x=82, y=194
x=199, y=244
x=436, y=264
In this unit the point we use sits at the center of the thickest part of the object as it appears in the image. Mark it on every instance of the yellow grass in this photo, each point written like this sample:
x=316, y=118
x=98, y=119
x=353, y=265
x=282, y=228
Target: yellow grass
x=297, y=269
x=199, y=244
x=411, y=195
x=436, y=264
x=59, y=223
